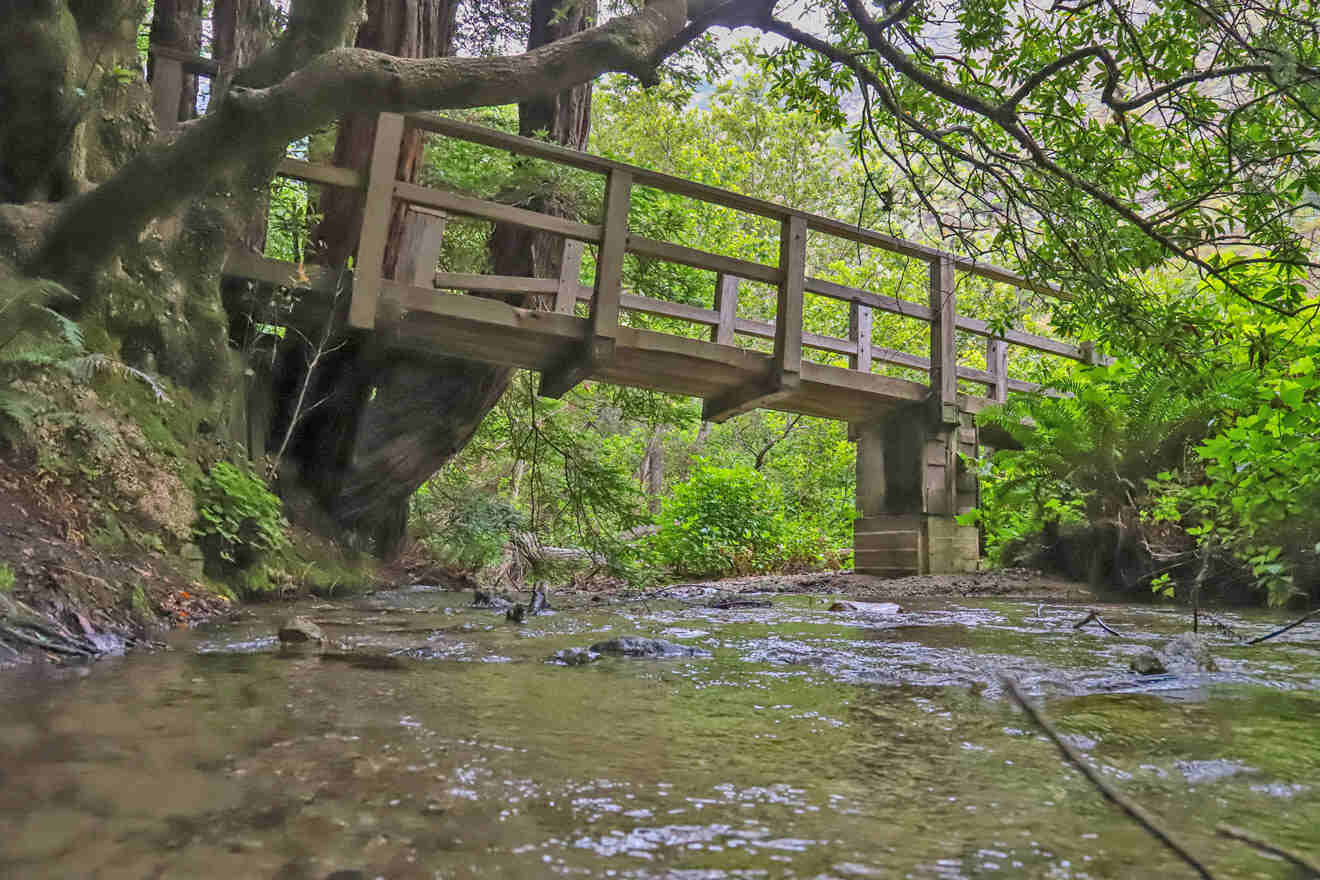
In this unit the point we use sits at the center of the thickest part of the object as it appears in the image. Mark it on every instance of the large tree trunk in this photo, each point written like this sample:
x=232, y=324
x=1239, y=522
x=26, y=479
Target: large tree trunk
x=341, y=438
x=398, y=420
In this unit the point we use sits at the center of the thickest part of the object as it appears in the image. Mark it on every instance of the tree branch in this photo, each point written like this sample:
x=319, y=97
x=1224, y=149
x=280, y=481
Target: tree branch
x=332, y=83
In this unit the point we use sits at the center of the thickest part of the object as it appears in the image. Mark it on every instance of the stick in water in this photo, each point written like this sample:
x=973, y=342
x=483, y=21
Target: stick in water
x=1134, y=811
x=1095, y=615
x=1278, y=632
x=1264, y=845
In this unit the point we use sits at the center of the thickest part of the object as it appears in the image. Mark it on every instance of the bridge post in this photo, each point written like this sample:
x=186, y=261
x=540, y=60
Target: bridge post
x=597, y=350
x=996, y=364
x=785, y=375
x=911, y=485
x=726, y=304
x=376, y=214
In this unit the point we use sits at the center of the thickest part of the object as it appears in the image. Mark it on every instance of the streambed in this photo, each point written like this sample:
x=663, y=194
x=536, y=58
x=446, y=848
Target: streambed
x=810, y=743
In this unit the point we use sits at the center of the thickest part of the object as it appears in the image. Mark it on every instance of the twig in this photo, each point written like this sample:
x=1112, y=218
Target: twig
x=1265, y=846
x=1278, y=632
x=320, y=350
x=1095, y=615
x=1134, y=811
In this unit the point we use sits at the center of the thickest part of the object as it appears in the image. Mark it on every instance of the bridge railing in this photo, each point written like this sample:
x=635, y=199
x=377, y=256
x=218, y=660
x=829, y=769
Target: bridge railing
x=613, y=239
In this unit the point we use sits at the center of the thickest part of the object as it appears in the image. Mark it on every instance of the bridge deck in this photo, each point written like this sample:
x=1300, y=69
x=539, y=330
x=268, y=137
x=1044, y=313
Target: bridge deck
x=415, y=310
x=495, y=332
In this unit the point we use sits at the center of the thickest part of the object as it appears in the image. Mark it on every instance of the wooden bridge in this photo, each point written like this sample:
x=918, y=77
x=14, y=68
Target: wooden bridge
x=910, y=480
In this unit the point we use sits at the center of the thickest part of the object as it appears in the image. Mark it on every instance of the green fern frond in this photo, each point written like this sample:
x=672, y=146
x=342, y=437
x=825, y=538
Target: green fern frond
x=23, y=309
x=18, y=409
x=87, y=367
x=70, y=330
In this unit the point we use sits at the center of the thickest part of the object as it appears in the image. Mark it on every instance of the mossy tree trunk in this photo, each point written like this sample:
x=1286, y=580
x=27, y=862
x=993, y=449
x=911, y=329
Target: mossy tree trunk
x=400, y=419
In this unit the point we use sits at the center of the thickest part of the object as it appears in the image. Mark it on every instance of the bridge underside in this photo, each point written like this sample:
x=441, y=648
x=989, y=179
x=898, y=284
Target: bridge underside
x=495, y=332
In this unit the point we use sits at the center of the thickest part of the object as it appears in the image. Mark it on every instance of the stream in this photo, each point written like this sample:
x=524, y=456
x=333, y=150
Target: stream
x=437, y=741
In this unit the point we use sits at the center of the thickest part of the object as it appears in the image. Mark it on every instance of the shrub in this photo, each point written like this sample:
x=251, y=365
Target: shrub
x=468, y=531
x=723, y=520
x=239, y=520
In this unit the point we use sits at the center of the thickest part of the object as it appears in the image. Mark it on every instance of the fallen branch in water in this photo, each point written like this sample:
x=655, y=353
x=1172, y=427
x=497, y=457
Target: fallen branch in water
x=1094, y=615
x=1278, y=632
x=1266, y=846
x=1134, y=811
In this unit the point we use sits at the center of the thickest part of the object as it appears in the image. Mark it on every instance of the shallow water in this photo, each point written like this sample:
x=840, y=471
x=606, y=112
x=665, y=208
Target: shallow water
x=811, y=744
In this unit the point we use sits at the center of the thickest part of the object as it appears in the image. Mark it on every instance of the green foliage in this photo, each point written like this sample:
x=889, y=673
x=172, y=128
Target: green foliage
x=723, y=520
x=7, y=578
x=468, y=530
x=34, y=336
x=1223, y=448
x=997, y=120
x=1087, y=456
x=239, y=520
x=291, y=221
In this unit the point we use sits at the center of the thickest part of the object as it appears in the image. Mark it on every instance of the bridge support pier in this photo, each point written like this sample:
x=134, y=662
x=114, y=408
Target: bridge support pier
x=911, y=485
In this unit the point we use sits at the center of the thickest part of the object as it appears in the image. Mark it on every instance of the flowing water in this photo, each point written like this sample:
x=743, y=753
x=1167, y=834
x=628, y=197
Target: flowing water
x=811, y=744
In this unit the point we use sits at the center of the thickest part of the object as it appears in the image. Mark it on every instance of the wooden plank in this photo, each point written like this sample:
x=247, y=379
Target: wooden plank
x=166, y=92
x=474, y=207
x=478, y=134
x=478, y=311
x=376, y=221
x=328, y=174
x=859, y=331
x=603, y=322
x=663, y=308
x=996, y=361
x=852, y=382
x=419, y=251
x=915, y=310
x=943, y=350
x=241, y=263
x=631, y=302
x=785, y=377
x=512, y=284
x=570, y=273
x=788, y=315
x=754, y=395
x=726, y=306
x=766, y=330
x=1019, y=337
x=686, y=256
x=865, y=297
x=899, y=358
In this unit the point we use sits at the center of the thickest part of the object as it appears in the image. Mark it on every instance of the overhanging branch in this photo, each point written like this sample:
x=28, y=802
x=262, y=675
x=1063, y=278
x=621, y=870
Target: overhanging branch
x=332, y=83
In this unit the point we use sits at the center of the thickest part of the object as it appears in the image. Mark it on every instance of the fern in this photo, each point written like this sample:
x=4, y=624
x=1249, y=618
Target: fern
x=19, y=409
x=87, y=367
x=23, y=309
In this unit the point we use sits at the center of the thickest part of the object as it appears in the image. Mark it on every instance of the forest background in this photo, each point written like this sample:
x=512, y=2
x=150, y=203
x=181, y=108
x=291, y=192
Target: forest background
x=1189, y=463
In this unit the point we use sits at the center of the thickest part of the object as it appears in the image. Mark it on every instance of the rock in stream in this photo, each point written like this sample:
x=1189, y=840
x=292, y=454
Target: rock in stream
x=654, y=649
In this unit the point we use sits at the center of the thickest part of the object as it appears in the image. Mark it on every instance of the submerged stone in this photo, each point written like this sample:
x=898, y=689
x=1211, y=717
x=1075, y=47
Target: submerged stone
x=1147, y=662
x=574, y=657
x=300, y=630
x=637, y=646
x=1190, y=652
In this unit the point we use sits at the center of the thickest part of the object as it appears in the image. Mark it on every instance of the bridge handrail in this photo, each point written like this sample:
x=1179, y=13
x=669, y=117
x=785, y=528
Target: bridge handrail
x=614, y=240
x=459, y=203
